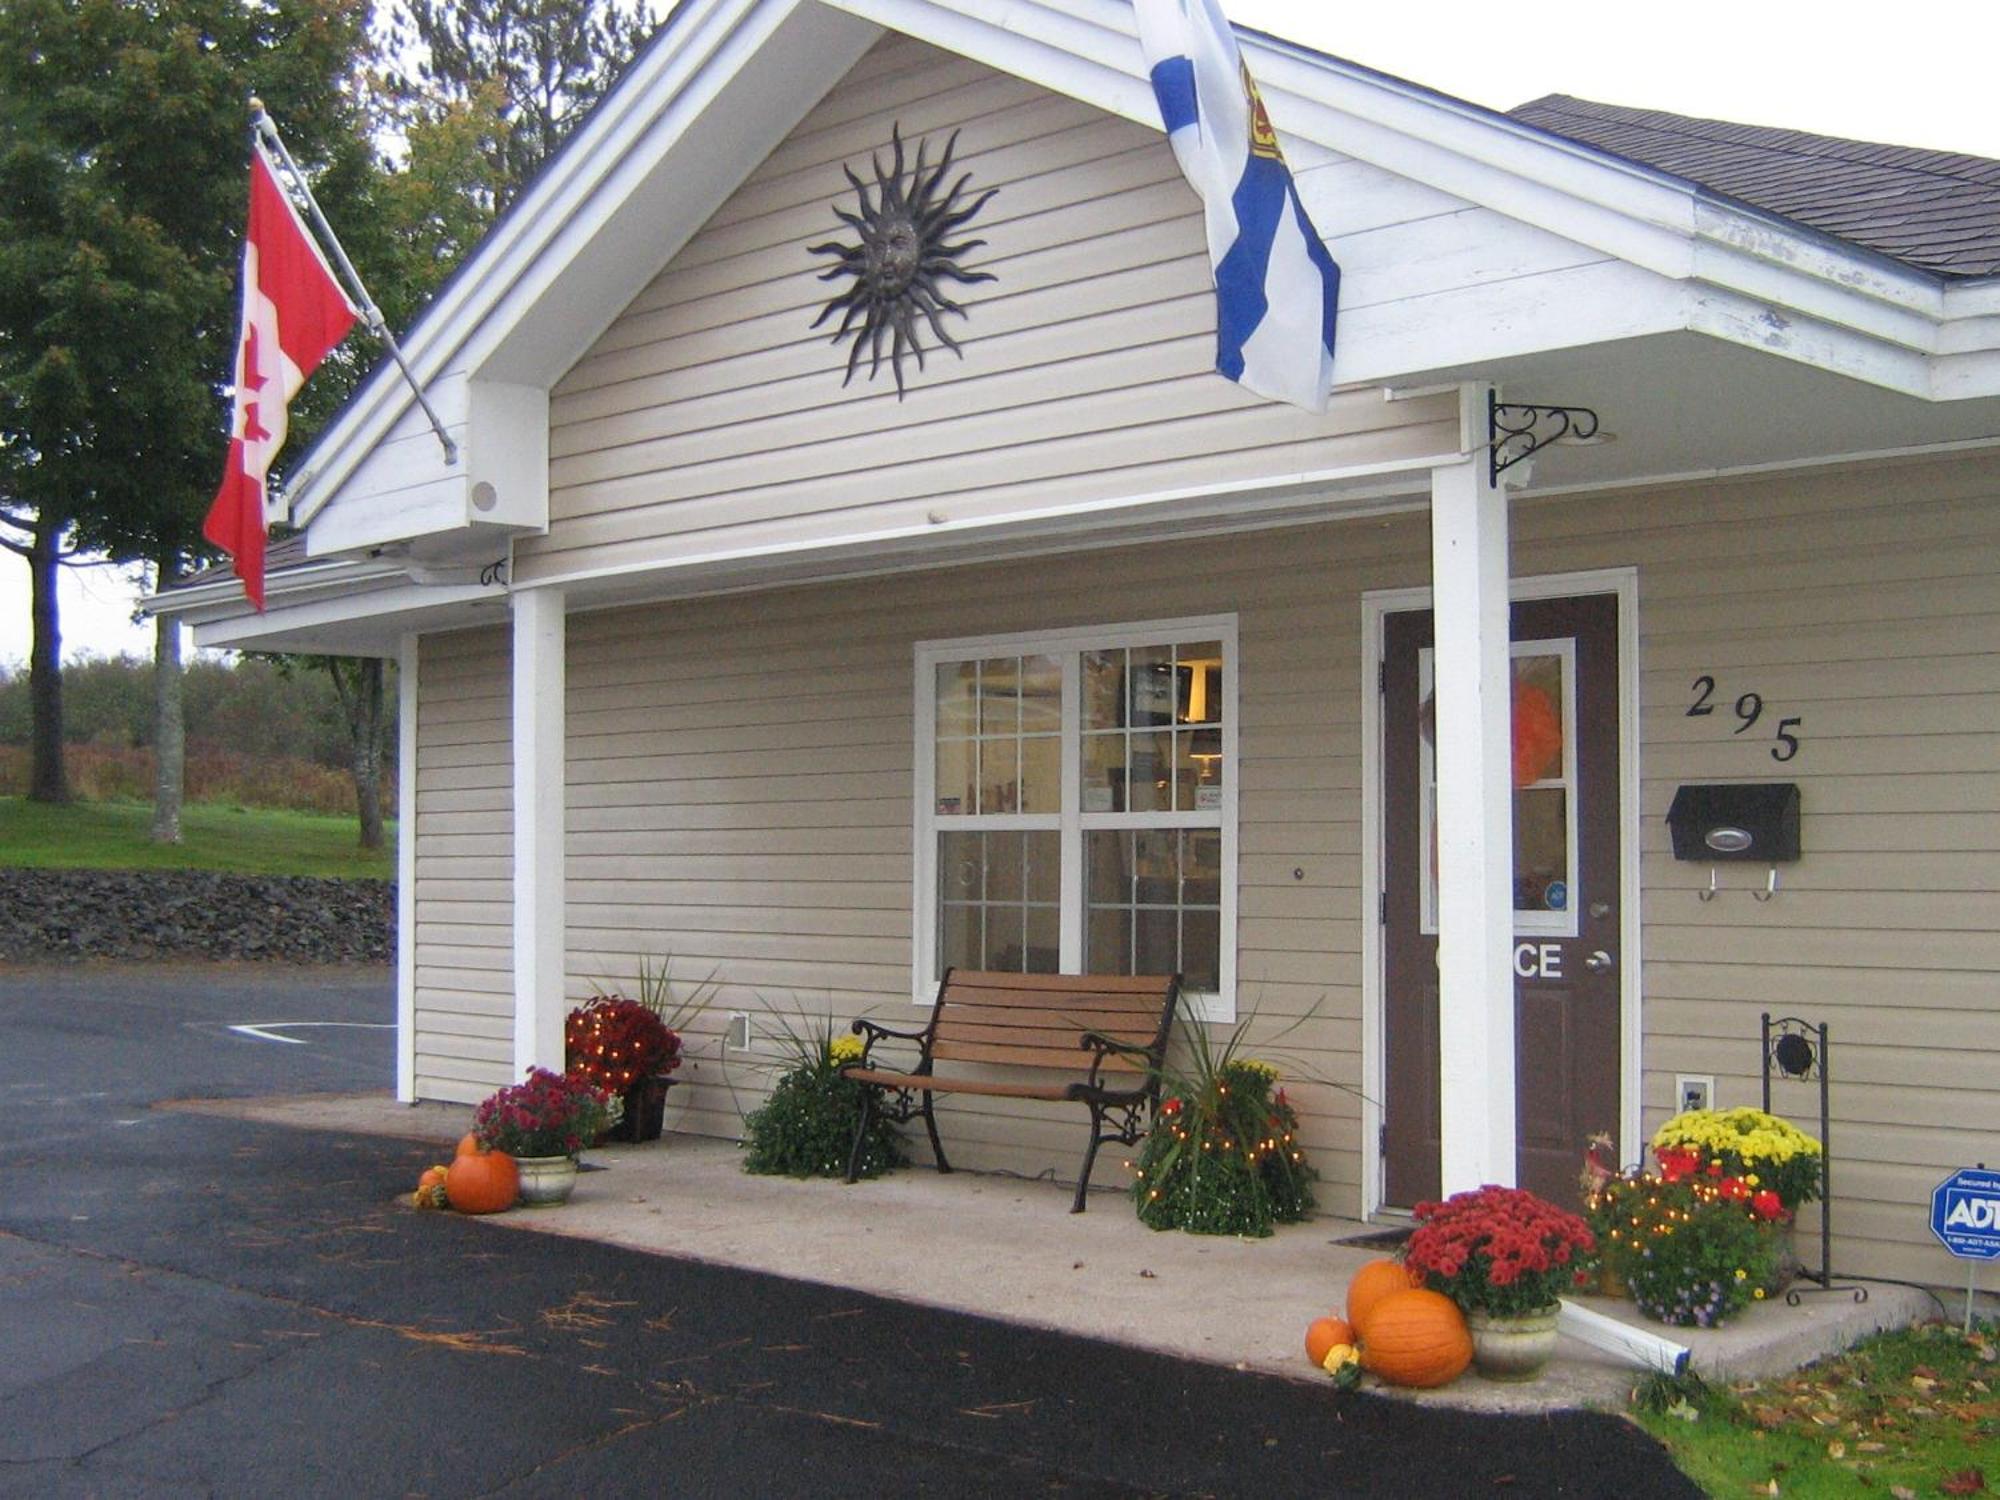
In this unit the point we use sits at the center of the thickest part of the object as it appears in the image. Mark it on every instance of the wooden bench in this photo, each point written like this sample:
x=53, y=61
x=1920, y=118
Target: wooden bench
x=1010, y=1025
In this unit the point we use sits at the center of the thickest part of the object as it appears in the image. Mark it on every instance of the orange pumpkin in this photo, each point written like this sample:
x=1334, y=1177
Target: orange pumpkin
x=468, y=1145
x=1374, y=1281
x=1416, y=1338
x=1323, y=1335
x=482, y=1182
x=433, y=1177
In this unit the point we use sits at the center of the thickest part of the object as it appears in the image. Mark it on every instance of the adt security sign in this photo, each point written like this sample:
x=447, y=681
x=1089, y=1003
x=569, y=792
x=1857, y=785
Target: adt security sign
x=1965, y=1213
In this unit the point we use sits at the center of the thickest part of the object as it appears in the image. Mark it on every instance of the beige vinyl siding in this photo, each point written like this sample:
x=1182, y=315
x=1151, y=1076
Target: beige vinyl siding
x=740, y=797
x=464, y=885
x=1865, y=603
x=710, y=418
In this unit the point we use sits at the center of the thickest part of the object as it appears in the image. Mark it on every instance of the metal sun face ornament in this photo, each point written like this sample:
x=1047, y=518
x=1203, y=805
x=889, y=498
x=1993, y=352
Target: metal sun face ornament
x=903, y=258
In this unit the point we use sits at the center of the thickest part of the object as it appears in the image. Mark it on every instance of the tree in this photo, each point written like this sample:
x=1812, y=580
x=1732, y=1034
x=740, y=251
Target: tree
x=358, y=683
x=122, y=140
x=513, y=75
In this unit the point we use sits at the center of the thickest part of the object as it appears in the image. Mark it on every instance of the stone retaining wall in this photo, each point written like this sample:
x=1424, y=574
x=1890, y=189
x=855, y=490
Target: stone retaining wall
x=75, y=914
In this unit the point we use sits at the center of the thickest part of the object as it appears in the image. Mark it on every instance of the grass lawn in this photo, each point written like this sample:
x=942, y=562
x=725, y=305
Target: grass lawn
x=249, y=841
x=1906, y=1414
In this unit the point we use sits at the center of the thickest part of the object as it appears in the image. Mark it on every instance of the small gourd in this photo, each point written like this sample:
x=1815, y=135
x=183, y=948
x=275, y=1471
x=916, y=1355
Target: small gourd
x=482, y=1182
x=1324, y=1335
x=1416, y=1338
x=1374, y=1281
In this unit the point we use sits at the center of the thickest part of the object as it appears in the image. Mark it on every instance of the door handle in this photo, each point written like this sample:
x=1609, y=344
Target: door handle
x=1598, y=962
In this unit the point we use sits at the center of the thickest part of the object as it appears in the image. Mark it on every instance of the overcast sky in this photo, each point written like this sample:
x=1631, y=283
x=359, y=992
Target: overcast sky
x=1912, y=78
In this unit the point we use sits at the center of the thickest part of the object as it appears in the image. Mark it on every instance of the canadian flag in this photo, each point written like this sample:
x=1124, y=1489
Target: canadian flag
x=293, y=313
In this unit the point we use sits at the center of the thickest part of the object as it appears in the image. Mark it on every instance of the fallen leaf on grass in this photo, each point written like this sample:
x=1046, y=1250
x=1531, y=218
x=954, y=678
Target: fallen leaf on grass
x=1683, y=1410
x=1871, y=1447
x=1964, y=1482
x=1924, y=1383
x=1836, y=1449
x=1902, y=1492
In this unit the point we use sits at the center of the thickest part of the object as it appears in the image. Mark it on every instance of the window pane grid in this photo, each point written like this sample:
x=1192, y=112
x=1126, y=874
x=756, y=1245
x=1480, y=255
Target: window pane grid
x=1143, y=756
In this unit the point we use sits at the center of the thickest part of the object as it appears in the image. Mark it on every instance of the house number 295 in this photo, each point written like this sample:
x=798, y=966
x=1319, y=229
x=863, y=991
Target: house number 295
x=1749, y=708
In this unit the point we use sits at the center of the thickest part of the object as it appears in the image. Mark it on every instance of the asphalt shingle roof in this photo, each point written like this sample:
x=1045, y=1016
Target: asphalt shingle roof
x=1934, y=210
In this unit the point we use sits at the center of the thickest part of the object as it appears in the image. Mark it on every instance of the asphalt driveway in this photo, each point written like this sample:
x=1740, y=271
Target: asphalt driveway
x=205, y=1306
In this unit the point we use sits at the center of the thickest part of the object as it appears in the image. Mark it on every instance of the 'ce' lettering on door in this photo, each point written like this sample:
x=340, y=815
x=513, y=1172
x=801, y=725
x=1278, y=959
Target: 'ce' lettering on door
x=1538, y=960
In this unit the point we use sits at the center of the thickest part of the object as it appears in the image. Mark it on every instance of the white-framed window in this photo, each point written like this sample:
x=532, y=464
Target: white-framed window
x=1076, y=805
x=1546, y=895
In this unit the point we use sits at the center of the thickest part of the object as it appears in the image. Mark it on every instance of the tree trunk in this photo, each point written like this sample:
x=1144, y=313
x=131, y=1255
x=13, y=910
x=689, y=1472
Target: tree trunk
x=368, y=755
x=358, y=683
x=48, y=782
x=169, y=729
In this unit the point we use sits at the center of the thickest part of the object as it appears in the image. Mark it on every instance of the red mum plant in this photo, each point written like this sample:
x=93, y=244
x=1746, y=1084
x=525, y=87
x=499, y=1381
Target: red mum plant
x=614, y=1042
x=550, y=1114
x=1498, y=1250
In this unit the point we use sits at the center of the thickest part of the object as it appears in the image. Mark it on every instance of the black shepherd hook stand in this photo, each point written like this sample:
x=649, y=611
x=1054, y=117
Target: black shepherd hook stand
x=1797, y=1049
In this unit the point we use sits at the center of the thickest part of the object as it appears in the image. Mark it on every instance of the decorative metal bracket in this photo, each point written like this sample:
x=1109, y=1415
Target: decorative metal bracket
x=1512, y=436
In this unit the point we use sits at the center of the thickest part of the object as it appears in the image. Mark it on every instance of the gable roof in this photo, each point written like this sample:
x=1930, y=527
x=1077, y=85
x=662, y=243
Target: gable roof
x=729, y=78
x=1933, y=210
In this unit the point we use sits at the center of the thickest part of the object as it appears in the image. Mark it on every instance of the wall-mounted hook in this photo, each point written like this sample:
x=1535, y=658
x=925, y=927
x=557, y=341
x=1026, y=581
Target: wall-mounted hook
x=1770, y=886
x=1709, y=894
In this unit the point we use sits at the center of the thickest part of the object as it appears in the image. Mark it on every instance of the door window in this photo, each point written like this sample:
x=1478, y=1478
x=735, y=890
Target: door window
x=1544, y=776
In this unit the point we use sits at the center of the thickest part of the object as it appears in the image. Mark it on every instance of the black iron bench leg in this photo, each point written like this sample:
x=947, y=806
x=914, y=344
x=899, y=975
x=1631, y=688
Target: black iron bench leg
x=867, y=1118
x=1089, y=1161
x=930, y=1125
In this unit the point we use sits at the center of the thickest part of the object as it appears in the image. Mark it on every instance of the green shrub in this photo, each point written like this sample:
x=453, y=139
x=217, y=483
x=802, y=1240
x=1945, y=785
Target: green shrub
x=1691, y=1258
x=806, y=1128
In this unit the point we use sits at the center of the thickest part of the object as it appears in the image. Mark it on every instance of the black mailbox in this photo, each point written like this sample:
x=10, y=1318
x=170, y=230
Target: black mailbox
x=1742, y=820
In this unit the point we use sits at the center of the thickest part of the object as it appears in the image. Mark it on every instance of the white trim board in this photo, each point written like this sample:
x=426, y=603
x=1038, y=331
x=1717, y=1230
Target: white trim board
x=1375, y=605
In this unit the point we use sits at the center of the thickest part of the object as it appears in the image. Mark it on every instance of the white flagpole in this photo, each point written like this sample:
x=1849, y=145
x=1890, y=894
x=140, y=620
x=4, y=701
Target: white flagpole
x=260, y=122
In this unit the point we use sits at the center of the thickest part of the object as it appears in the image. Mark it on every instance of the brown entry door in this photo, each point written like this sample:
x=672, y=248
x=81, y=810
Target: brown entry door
x=1566, y=894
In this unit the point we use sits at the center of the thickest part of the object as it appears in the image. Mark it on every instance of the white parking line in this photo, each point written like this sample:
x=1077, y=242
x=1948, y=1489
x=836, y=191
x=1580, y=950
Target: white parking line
x=265, y=1031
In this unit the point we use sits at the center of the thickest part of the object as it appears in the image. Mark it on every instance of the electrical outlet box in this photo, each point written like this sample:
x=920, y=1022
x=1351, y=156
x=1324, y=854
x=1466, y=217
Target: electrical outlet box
x=1693, y=1091
x=736, y=1036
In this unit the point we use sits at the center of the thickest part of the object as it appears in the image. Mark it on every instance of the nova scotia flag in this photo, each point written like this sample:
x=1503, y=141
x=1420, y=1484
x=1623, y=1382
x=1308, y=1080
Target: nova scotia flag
x=1276, y=287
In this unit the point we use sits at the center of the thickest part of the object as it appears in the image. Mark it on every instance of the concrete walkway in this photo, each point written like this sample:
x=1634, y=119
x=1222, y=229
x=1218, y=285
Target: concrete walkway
x=1003, y=1247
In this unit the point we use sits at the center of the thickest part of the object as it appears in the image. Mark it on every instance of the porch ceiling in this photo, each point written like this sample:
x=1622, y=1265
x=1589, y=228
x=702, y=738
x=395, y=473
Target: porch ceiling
x=1683, y=405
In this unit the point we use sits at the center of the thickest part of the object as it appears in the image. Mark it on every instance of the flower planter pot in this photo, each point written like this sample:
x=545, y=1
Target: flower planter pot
x=645, y=1111
x=1513, y=1347
x=546, y=1180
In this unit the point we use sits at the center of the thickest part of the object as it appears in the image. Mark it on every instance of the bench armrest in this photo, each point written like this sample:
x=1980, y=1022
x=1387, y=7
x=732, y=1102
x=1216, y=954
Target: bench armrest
x=1103, y=1046
x=871, y=1032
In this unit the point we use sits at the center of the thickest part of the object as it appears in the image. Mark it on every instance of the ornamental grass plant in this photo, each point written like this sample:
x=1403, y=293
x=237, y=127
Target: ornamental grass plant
x=1224, y=1155
x=550, y=1114
x=1499, y=1250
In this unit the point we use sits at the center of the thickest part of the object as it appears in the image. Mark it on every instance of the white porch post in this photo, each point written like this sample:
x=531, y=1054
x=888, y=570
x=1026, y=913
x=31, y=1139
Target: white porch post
x=1475, y=822
x=539, y=917
x=406, y=869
